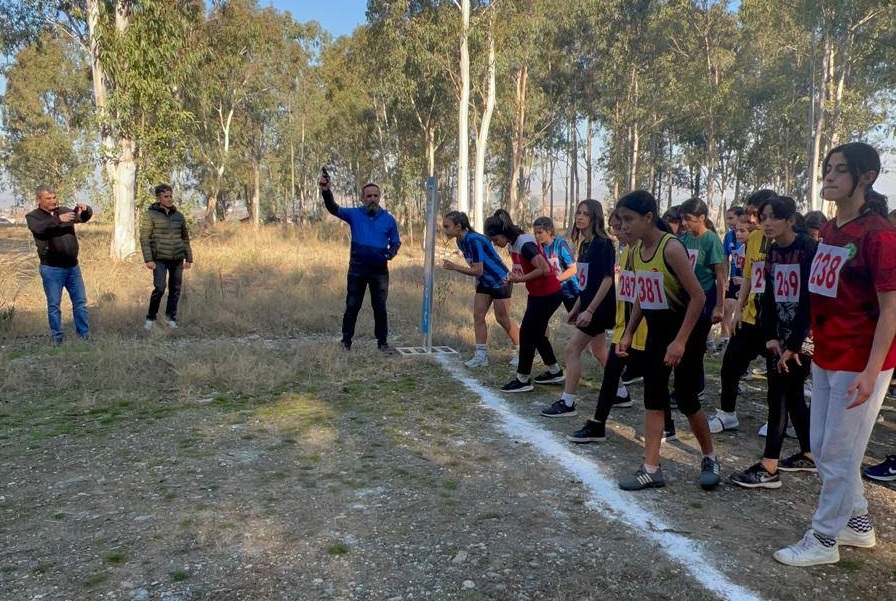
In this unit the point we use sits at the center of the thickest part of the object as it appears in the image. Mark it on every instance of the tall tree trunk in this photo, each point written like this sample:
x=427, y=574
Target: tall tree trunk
x=479, y=191
x=589, y=156
x=463, y=113
x=256, y=194
x=518, y=144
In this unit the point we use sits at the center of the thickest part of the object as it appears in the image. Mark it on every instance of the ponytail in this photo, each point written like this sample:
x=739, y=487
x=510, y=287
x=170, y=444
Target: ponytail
x=875, y=203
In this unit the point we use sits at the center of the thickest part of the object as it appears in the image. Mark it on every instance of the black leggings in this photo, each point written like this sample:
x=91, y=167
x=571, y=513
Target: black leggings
x=746, y=344
x=785, y=397
x=533, y=328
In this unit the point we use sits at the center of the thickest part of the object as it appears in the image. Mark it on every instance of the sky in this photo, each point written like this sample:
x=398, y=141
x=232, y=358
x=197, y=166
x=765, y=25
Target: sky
x=339, y=17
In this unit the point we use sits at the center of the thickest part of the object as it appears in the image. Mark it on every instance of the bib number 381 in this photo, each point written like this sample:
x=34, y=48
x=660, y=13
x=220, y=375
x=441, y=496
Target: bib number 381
x=651, y=293
x=826, y=267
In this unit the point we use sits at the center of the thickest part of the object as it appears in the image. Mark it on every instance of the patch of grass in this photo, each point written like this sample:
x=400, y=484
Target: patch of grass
x=449, y=485
x=337, y=549
x=116, y=557
x=179, y=575
x=851, y=565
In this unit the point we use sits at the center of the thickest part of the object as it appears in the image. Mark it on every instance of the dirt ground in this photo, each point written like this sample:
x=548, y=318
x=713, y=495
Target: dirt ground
x=363, y=477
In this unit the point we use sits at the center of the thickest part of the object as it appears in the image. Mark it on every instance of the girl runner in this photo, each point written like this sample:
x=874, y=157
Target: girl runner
x=852, y=285
x=484, y=264
x=785, y=321
x=671, y=299
x=529, y=266
x=594, y=311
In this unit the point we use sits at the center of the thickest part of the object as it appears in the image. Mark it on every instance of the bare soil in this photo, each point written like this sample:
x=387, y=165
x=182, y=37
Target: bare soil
x=357, y=476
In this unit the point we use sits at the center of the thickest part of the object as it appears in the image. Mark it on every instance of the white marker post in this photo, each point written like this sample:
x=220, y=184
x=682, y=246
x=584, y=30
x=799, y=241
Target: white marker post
x=429, y=252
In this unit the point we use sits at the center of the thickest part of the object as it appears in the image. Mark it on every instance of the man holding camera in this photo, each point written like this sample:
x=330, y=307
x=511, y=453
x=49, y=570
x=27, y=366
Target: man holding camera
x=375, y=242
x=53, y=228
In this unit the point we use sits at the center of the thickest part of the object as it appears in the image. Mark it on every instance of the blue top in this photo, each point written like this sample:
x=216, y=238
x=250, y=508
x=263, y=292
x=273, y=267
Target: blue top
x=375, y=237
x=476, y=248
x=732, y=247
x=559, y=256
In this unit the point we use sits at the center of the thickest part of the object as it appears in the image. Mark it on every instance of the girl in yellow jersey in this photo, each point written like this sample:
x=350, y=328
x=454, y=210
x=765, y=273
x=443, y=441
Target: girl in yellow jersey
x=669, y=296
x=748, y=341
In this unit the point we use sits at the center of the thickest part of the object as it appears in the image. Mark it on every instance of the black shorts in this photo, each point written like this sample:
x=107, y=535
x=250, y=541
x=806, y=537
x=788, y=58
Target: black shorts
x=496, y=293
x=733, y=290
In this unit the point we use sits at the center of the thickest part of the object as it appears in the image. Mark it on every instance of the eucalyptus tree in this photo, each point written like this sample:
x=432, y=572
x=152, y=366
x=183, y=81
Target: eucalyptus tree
x=140, y=53
x=47, y=119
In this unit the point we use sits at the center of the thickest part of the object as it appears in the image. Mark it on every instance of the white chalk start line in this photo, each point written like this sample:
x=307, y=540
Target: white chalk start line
x=605, y=495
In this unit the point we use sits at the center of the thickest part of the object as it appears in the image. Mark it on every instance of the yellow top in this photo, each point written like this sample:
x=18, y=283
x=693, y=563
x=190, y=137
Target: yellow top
x=757, y=246
x=625, y=302
x=658, y=288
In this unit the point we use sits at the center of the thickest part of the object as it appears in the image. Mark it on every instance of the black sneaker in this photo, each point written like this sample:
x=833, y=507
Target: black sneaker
x=592, y=431
x=756, y=476
x=641, y=480
x=668, y=435
x=516, y=386
x=623, y=402
x=710, y=473
x=797, y=462
x=550, y=378
x=559, y=409
x=631, y=378
x=387, y=350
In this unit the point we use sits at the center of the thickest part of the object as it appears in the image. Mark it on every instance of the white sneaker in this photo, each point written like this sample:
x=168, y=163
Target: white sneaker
x=722, y=421
x=477, y=361
x=763, y=430
x=808, y=552
x=148, y=324
x=853, y=538
x=514, y=361
x=171, y=324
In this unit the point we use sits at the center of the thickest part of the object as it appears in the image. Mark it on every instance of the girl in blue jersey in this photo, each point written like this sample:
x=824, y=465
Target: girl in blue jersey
x=560, y=257
x=484, y=264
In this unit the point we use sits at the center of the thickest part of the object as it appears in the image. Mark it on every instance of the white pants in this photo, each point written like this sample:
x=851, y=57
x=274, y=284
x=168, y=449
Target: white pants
x=838, y=437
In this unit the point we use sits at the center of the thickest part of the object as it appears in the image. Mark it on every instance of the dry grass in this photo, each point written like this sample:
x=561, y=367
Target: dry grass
x=250, y=296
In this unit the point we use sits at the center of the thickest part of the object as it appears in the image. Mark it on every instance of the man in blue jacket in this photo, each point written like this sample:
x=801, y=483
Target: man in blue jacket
x=375, y=242
x=53, y=228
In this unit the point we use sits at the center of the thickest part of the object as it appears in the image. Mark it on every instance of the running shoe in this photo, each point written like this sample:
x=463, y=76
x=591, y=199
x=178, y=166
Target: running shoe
x=809, y=551
x=623, y=402
x=592, y=431
x=550, y=378
x=862, y=535
x=477, y=361
x=641, y=480
x=559, y=409
x=516, y=386
x=710, y=473
x=723, y=420
x=798, y=462
x=882, y=472
x=756, y=476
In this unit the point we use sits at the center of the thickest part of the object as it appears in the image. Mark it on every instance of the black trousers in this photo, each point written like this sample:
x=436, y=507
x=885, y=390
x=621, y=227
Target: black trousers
x=379, y=292
x=786, y=397
x=174, y=270
x=746, y=344
x=533, y=328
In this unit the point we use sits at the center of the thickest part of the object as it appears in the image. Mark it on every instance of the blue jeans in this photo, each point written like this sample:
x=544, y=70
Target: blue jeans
x=54, y=280
x=174, y=270
x=379, y=292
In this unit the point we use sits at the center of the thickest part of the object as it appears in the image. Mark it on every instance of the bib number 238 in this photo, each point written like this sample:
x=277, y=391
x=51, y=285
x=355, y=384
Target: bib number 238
x=826, y=266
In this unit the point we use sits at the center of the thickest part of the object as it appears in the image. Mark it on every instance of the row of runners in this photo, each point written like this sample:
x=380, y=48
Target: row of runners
x=798, y=293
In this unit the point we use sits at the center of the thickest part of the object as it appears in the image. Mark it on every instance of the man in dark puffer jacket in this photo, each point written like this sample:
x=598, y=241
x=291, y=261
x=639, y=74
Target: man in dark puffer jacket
x=165, y=243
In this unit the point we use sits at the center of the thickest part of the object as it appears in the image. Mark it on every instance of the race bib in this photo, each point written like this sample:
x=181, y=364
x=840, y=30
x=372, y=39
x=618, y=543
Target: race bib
x=582, y=274
x=626, y=289
x=555, y=264
x=757, y=277
x=692, y=257
x=517, y=269
x=787, y=283
x=651, y=292
x=824, y=279
x=738, y=258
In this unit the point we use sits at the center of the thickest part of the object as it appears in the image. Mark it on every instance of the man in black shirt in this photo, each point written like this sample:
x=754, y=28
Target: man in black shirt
x=53, y=228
